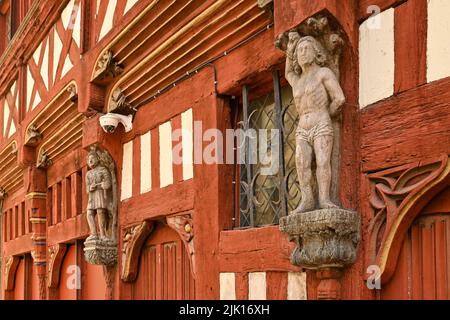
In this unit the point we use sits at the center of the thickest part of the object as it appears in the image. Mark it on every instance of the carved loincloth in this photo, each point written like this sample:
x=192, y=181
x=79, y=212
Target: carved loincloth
x=319, y=130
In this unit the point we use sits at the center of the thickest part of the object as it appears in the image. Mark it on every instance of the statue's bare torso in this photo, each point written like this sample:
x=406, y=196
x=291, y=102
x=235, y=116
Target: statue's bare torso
x=311, y=99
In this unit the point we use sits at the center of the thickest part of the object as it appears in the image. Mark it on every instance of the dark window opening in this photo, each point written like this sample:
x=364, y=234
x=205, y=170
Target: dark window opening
x=266, y=182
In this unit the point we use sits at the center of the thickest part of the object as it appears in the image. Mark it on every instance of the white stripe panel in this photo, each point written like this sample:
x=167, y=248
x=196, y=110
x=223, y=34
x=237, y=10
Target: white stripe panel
x=165, y=154
x=108, y=21
x=67, y=14
x=57, y=49
x=296, y=289
x=438, y=43
x=376, y=58
x=257, y=286
x=44, y=66
x=127, y=171
x=227, y=286
x=146, y=163
x=187, y=143
x=130, y=4
x=5, y=116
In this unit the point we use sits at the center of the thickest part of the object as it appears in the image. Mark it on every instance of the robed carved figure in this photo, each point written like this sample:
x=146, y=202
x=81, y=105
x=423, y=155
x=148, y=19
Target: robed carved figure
x=101, y=186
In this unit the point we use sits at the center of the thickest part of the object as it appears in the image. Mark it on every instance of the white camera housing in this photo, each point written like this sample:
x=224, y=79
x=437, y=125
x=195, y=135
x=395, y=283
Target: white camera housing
x=110, y=121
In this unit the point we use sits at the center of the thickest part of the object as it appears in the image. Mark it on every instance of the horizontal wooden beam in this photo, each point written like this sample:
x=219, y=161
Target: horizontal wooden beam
x=407, y=127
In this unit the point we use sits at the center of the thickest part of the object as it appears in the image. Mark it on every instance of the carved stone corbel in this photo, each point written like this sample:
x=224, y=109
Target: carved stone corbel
x=12, y=262
x=14, y=149
x=397, y=196
x=56, y=253
x=107, y=67
x=266, y=5
x=44, y=160
x=72, y=90
x=184, y=226
x=134, y=239
x=118, y=103
x=33, y=136
x=3, y=195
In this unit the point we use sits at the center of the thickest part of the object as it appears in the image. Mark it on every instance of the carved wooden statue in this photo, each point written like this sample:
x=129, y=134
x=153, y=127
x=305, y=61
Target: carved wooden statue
x=101, y=185
x=98, y=185
x=318, y=98
x=326, y=235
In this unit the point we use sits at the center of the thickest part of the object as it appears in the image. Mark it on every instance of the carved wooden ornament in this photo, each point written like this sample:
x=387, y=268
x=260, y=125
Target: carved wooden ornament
x=134, y=239
x=11, y=265
x=56, y=253
x=184, y=226
x=397, y=196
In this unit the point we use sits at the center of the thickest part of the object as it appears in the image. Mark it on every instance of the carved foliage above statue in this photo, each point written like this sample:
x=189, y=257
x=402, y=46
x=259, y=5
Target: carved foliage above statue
x=101, y=185
x=327, y=33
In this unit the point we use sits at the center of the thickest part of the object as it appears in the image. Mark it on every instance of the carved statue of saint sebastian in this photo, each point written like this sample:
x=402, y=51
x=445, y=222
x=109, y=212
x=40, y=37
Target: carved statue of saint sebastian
x=318, y=99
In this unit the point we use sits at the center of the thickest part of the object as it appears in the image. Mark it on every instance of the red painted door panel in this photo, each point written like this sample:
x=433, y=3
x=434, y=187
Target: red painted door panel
x=423, y=268
x=164, y=268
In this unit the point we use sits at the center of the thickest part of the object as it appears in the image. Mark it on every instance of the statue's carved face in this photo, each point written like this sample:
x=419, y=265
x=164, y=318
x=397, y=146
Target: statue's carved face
x=92, y=161
x=306, y=53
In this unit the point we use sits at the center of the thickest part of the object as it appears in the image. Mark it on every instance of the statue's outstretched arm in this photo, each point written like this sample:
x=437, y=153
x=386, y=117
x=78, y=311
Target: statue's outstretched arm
x=290, y=73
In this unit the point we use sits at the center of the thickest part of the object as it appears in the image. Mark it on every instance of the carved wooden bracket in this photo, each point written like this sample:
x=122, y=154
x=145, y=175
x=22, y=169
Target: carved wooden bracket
x=56, y=253
x=134, y=239
x=184, y=226
x=43, y=160
x=118, y=103
x=397, y=196
x=33, y=136
x=11, y=265
x=3, y=195
x=266, y=5
x=106, y=67
x=14, y=149
x=73, y=94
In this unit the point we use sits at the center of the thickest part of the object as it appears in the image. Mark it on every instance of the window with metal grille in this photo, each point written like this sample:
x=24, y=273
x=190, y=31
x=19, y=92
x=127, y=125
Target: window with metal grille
x=262, y=199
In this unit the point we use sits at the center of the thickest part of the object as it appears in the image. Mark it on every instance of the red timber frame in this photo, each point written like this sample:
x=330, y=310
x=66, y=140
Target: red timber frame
x=55, y=198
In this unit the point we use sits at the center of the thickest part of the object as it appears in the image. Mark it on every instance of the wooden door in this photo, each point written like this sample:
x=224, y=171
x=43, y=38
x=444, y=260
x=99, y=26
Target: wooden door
x=164, y=268
x=423, y=268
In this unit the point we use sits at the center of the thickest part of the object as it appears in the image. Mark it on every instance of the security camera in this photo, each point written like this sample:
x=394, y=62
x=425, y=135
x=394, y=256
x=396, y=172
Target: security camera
x=110, y=121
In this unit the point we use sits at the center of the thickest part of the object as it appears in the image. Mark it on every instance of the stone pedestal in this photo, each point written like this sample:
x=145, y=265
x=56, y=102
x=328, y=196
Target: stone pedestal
x=100, y=252
x=327, y=241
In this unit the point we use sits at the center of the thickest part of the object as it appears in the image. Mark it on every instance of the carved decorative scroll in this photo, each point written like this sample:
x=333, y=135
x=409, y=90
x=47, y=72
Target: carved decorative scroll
x=56, y=253
x=72, y=90
x=266, y=5
x=33, y=136
x=12, y=262
x=397, y=196
x=118, y=103
x=134, y=239
x=184, y=226
x=107, y=67
x=44, y=160
x=14, y=149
